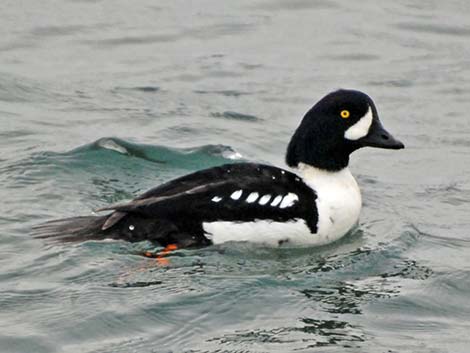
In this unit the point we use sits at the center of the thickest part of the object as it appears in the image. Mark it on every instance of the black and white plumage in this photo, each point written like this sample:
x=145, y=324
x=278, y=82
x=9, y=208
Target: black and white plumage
x=255, y=202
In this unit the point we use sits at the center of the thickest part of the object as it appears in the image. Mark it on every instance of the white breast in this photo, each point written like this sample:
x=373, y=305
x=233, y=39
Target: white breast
x=339, y=201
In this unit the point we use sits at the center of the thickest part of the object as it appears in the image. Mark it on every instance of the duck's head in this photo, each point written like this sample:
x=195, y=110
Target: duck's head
x=340, y=123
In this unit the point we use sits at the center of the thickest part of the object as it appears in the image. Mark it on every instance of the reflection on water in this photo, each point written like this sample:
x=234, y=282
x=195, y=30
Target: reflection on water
x=346, y=298
x=333, y=333
x=313, y=333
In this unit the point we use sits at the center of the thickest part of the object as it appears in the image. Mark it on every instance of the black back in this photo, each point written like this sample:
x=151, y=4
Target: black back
x=188, y=201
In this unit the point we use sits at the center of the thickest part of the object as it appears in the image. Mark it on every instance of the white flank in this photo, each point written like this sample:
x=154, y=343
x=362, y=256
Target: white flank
x=264, y=200
x=289, y=200
x=252, y=197
x=361, y=128
x=294, y=233
x=236, y=195
x=276, y=201
x=216, y=199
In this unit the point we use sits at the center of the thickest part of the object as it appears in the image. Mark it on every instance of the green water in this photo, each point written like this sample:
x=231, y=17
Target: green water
x=102, y=100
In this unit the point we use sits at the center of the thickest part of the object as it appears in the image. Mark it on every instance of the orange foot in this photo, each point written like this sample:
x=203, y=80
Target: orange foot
x=160, y=256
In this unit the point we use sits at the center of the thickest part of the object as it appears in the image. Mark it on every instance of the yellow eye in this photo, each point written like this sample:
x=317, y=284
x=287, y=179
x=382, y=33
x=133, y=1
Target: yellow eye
x=345, y=114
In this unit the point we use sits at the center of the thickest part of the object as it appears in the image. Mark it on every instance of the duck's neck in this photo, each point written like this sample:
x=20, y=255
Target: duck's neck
x=318, y=178
x=325, y=155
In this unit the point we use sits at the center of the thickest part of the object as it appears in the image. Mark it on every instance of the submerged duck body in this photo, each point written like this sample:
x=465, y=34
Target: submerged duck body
x=315, y=204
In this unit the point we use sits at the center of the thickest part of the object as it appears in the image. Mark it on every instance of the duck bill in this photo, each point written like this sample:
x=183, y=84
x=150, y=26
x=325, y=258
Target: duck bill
x=380, y=138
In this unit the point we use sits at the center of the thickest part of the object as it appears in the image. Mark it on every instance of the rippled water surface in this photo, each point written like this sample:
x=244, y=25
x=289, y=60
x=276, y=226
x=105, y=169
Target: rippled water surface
x=101, y=100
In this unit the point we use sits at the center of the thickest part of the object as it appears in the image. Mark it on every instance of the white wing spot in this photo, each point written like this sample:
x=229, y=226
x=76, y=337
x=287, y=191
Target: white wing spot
x=252, y=197
x=264, y=200
x=216, y=199
x=283, y=172
x=276, y=201
x=274, y=177
x=236, y=195
x=131, y=227
x=297, y=179
x=289, y=200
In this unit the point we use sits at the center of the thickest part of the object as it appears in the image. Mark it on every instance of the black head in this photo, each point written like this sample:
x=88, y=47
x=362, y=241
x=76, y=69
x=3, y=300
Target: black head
x=340, y=123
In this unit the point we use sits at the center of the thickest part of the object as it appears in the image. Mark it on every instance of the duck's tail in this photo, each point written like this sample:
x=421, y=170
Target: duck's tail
x=72, y=229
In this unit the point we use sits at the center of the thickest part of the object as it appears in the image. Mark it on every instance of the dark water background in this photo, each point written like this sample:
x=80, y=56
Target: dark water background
x=101, y=100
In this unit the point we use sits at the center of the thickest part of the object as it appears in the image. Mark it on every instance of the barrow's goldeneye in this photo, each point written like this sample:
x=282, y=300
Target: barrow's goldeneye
x=316, y=204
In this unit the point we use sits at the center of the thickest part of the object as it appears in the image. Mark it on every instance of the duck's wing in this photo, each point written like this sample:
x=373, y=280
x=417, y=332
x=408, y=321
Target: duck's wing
x=235, y=192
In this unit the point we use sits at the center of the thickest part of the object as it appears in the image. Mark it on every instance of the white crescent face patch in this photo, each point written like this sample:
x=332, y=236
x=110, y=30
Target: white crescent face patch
x=361, y=128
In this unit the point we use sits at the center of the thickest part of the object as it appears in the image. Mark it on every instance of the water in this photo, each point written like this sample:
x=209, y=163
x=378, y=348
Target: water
x=101, y=100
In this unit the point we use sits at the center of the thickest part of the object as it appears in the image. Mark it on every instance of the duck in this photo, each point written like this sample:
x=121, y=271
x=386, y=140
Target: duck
x=313, y=202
